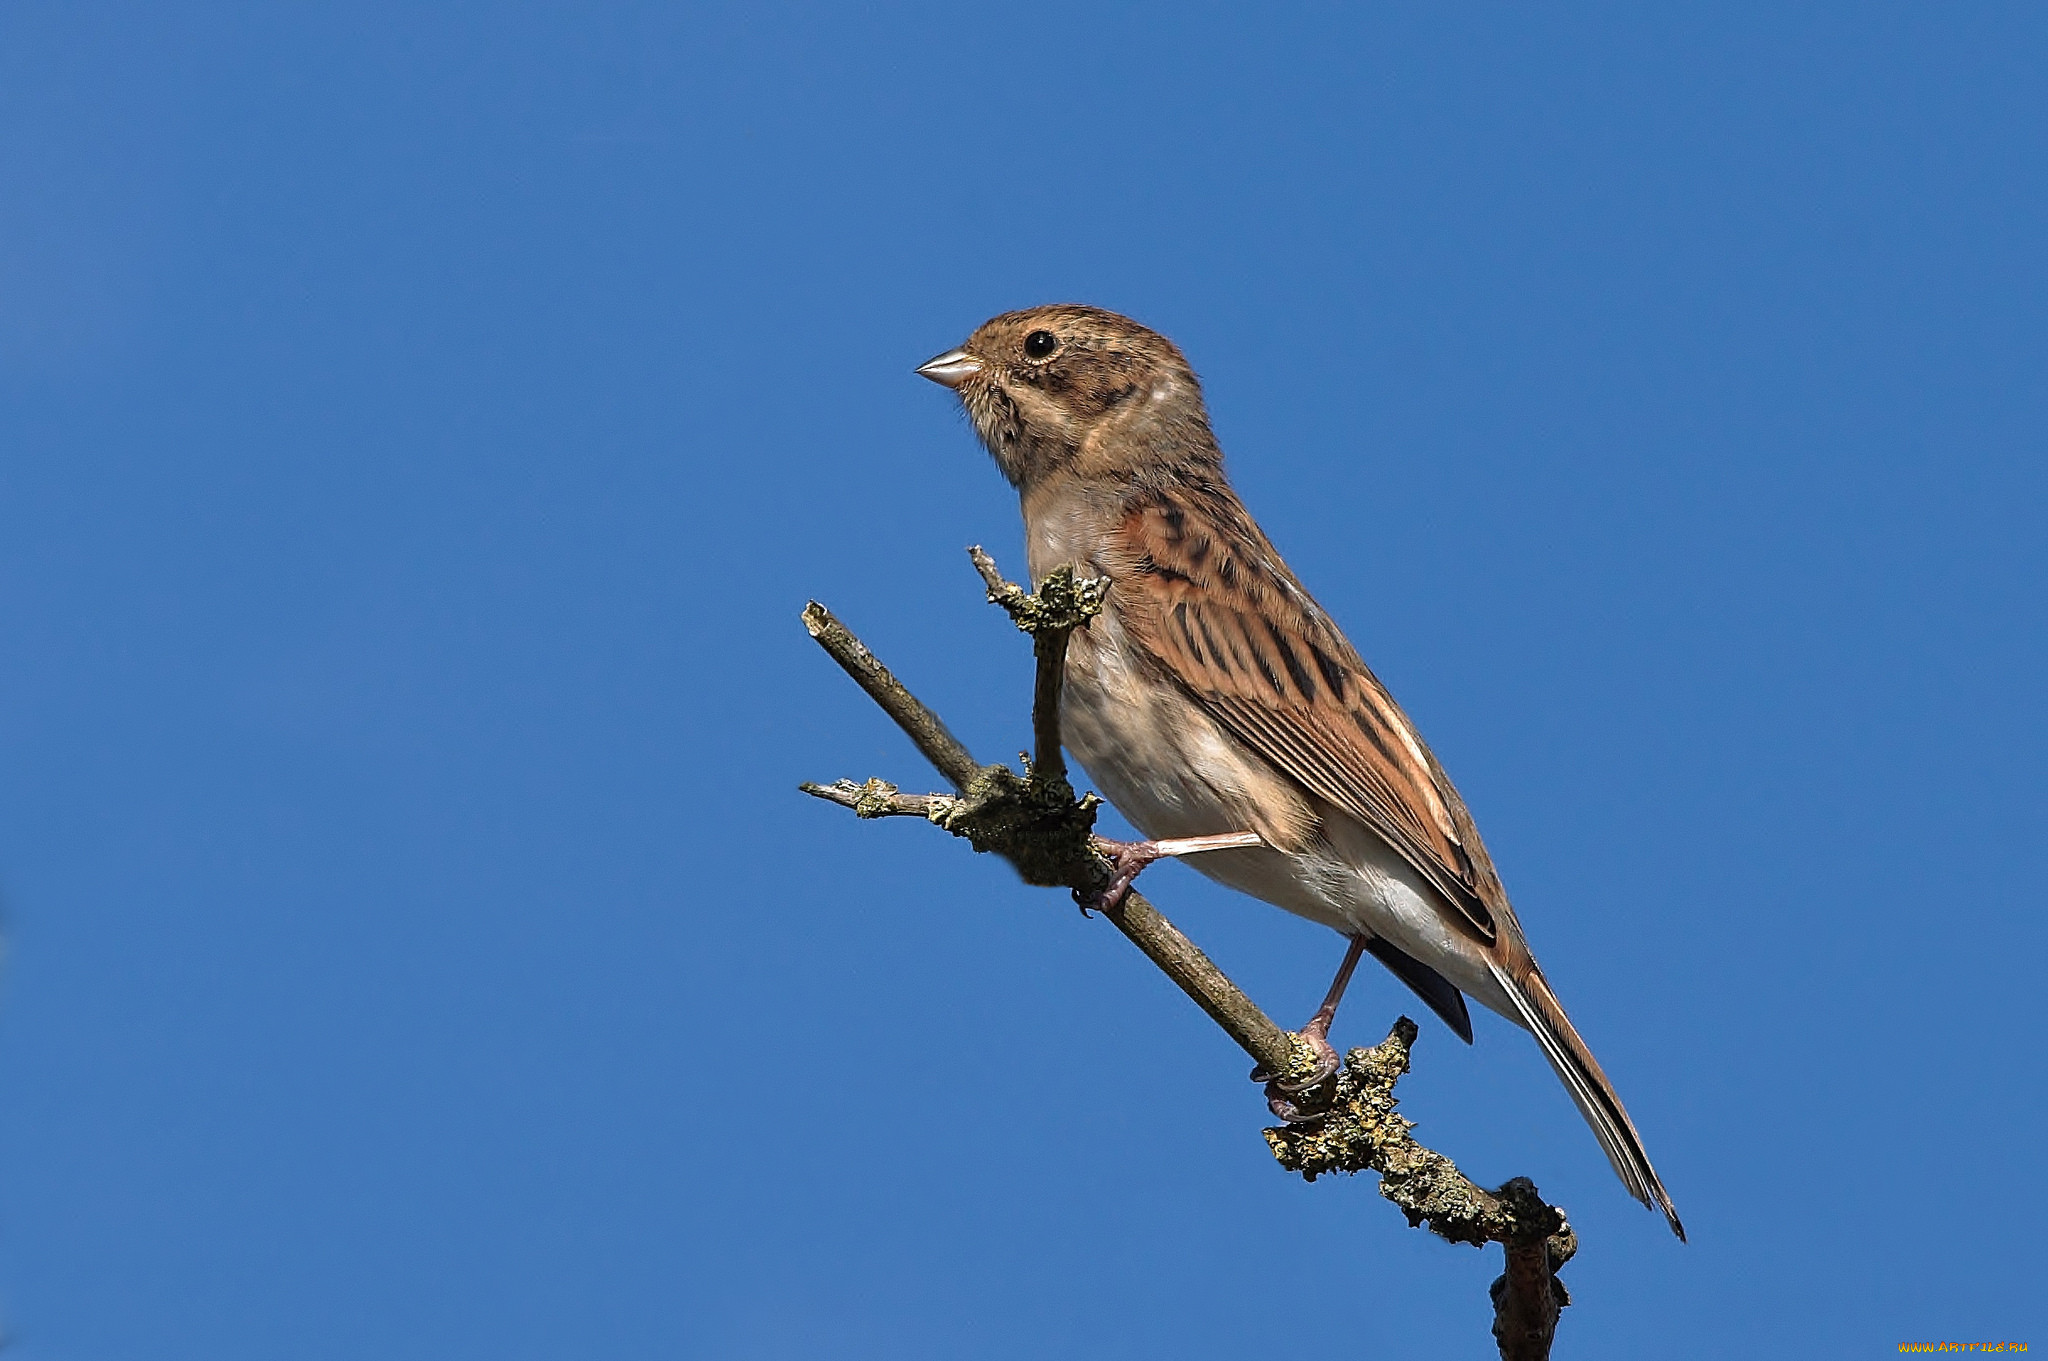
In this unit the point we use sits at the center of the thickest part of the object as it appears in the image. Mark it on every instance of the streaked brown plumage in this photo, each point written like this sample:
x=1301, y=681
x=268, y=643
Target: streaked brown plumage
x=1213, y=695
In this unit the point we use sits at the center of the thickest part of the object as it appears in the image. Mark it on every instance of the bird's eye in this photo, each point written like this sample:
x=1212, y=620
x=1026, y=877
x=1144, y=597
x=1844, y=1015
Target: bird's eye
x=1039, y=344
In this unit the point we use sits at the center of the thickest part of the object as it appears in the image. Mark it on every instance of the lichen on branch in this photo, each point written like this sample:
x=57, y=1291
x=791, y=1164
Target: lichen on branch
x=1361, y=1131
x=1063, y=602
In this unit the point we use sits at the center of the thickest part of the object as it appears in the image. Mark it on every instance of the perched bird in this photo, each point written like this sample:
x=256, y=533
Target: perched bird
x=1212, y=694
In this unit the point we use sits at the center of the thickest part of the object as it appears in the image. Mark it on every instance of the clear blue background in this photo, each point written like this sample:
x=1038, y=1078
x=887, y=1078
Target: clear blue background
x=421, y=425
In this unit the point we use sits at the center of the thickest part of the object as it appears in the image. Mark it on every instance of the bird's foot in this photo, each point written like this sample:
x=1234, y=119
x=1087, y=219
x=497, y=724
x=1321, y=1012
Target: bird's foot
x=1128, y=859
x=1281, y=1093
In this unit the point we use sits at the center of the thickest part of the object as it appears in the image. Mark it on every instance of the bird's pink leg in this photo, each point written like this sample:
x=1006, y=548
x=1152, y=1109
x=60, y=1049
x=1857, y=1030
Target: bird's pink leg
x=1317, y=1033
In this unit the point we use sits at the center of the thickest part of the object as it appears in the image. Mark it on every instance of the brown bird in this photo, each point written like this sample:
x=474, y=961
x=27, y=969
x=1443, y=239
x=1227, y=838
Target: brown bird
x=1213, y=695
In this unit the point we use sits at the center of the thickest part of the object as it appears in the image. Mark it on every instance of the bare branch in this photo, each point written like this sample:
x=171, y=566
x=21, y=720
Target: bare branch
x=879, y=799
x=1008, y=594
x=1271, y=1046
x=920, y=724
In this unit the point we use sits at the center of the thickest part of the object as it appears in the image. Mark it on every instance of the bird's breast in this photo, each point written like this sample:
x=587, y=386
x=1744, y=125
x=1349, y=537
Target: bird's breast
x=1158, y=756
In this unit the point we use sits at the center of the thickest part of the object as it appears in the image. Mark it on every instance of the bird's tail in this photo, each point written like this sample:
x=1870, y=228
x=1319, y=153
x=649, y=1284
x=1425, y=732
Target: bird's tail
x=1594, y=1095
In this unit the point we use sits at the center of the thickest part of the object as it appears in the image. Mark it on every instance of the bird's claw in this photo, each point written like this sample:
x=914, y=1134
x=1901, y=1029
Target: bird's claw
x=1280, y=1093
x=1127, y=862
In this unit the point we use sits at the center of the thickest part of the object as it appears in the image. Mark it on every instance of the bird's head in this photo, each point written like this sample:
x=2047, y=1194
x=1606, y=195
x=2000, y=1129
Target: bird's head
x=1067, y=388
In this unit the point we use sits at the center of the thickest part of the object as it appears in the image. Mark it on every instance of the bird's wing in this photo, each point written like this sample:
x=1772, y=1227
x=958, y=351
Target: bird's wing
x=1204, y=594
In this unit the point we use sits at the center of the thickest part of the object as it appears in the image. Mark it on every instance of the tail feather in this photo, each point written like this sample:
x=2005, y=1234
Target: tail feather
x=1432, y=987
x=1591, y=1092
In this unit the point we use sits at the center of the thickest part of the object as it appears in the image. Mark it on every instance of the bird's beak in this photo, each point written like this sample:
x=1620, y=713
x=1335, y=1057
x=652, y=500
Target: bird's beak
x=952, y=368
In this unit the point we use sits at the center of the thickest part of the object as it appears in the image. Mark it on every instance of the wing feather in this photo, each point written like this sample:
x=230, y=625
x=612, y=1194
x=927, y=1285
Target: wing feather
x=1220, y=612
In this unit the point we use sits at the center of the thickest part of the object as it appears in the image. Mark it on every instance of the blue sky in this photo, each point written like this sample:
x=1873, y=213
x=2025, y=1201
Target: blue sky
x=420, y=427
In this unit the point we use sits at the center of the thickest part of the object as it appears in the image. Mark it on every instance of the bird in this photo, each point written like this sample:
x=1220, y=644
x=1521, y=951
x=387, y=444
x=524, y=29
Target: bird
x=1213, y=695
